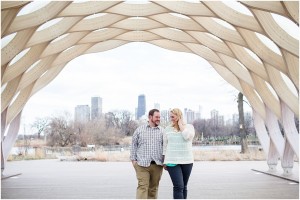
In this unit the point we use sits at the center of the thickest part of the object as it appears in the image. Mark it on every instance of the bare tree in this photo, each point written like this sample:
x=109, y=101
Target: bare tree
x=210, y=129
x=60, y=131
x=122, y=120
x=244, y=145
x=97, y=130
x=126, y=123
x=102, y=131
x=80, y=130
x=249, y=127
x=112, y=120
x=40, y=124
x=200, y=127
x=108, y=130
x=131, y=127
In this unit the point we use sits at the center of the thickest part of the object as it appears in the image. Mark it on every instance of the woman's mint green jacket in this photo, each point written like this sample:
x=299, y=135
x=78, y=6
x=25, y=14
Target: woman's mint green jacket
x=177, y=145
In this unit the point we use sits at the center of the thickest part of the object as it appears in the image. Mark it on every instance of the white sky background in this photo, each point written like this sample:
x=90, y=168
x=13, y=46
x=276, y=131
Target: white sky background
x=172, y=79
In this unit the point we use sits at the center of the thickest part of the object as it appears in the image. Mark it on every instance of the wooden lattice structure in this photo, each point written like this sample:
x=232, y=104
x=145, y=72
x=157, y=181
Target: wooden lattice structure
x=37, y=52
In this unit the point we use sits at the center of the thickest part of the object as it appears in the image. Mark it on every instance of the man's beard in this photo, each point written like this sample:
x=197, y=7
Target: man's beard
x=155, y=123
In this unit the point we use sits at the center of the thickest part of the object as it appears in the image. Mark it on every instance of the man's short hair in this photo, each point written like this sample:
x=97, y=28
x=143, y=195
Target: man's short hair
x=151, y=112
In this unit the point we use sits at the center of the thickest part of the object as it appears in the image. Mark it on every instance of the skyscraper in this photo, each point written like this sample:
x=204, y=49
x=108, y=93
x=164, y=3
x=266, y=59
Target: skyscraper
x=217, y=120
x=96, y=107
x=82, y=113
x=214, y=115
x=164, y=117
x=157, y=106
x=235, y=119
x=198, y=114
x=189, y=115
x=141, y=110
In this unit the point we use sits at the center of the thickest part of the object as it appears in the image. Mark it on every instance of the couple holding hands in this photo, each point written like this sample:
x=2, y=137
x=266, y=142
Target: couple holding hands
x=154, y=148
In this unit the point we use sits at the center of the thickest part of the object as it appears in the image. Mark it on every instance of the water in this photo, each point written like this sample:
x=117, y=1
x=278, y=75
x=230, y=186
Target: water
x=21, y=150
x=222, y=147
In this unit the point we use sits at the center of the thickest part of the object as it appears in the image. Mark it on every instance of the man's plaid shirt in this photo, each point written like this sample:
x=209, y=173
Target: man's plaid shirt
x=147, y=145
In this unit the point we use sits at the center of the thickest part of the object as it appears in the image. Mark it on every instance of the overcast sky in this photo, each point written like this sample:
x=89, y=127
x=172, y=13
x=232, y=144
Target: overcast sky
x=172, y=79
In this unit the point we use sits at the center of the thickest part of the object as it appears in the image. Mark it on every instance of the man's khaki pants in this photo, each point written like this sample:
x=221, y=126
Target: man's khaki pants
x=148, y=181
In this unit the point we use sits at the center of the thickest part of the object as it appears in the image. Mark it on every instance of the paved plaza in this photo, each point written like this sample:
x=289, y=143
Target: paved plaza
x=54, y=179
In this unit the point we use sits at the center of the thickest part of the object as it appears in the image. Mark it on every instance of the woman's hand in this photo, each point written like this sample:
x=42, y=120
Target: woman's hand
x=181, y=124
x=165, y=167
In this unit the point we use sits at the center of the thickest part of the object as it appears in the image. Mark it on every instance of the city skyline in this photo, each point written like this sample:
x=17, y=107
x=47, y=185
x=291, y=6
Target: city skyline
x=155, y=105
x=84, y=113
x=94, y=110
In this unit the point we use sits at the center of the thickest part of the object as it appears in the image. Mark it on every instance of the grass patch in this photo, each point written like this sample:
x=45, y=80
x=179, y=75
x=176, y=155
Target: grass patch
x=228, y=155
x=199, y=155
x=100, y=155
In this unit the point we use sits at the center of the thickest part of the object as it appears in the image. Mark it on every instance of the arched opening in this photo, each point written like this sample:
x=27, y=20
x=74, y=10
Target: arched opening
x=198, y=28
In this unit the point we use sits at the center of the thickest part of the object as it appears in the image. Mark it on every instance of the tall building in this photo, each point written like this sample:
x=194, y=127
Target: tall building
x=249, y=119
x=221, y=120
x=141, y=110
x=217, y=120
x=235, y=119
x=82, y=113
x=135, y=113
x=164, y=117
x=214, y=115
x=96, y=107
x=198, y=114
x=189, y=115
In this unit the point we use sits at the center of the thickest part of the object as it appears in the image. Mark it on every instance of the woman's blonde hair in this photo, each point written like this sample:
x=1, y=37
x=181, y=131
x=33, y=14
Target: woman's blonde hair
x=178, y=113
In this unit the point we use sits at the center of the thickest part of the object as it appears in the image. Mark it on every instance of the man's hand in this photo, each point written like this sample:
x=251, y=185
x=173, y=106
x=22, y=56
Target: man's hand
x=134, y=162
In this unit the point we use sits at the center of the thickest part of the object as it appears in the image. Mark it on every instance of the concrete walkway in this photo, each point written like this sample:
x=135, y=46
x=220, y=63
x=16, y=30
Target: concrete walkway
x=54, y=179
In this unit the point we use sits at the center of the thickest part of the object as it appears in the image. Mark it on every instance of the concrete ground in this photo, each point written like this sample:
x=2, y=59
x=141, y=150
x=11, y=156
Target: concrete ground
x=54, y=179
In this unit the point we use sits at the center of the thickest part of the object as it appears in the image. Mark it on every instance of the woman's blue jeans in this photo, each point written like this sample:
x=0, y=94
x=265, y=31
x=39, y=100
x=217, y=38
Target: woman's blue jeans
x=180, y=176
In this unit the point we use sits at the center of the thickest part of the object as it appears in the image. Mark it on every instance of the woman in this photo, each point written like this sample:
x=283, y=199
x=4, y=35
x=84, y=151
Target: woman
x=177, y=149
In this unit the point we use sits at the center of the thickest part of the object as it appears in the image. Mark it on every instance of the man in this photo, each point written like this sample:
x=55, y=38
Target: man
x=146, y=156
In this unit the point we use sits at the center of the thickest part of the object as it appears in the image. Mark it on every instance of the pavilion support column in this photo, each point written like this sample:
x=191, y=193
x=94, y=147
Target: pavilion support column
x=291, y=139
x=3, y=127
x=273, y=157
x=276, y=140
x=287, y=161
x=261, y=132
x=3, y=124
x=9, y=139
x=2, y=161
